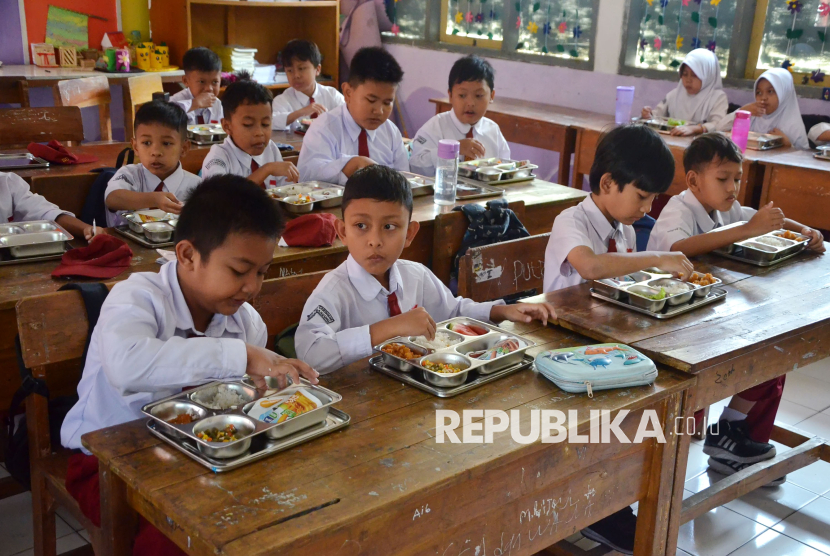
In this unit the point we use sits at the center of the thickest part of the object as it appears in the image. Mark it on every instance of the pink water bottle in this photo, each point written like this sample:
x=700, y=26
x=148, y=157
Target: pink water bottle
x=740, y=129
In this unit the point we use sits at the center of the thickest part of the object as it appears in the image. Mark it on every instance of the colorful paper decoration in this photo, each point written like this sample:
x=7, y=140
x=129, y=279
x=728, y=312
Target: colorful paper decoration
x=165, y=54
x=142, y=57
x=155, y=60
x=122, y=60
x=43, y=55
x=111, y=55
x=67, y=56
x=114, y=40
x=67, y=28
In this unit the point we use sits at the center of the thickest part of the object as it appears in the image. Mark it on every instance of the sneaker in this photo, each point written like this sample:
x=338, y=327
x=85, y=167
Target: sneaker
x=615, y=531
x=732, y=442
x=726, y=467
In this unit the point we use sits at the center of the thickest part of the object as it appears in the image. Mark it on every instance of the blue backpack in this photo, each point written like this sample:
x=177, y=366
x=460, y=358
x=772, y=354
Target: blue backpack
x=94, y=207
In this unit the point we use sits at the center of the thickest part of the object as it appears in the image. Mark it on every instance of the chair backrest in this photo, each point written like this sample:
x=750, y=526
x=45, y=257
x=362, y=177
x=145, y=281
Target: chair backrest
x=139, y=90
x=14, y=91
x=448, y=236
x=502, y=269
x=21, y=126
x=68, y=191
x=192, y=161
x=87, y=91
x=281, y=300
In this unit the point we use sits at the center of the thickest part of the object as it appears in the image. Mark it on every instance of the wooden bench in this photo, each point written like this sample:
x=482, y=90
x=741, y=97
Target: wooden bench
x=14, y=91
x=87, y=91
x=503, y=269
x=21, y=126
x=139, y=90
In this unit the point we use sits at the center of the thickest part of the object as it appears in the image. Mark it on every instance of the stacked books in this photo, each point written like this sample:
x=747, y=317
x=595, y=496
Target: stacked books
x=236, y=58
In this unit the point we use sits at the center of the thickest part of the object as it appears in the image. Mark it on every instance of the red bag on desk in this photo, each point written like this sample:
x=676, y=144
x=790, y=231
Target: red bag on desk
x=104, y=257
x=310, y=230
x=56, y=153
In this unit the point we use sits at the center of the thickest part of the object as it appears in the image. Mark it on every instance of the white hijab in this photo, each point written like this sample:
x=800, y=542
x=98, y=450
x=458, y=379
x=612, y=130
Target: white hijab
x=697, y=108
x=787, y=117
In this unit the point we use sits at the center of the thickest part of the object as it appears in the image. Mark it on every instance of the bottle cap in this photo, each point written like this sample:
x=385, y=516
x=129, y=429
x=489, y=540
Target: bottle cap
x=448, y=149
x=742, y=115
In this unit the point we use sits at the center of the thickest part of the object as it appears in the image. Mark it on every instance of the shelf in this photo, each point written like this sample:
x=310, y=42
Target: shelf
x=254, y=4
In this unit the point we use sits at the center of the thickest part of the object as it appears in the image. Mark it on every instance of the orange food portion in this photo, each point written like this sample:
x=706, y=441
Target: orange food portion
x=702, y=279
x=400, y=350
x=786, y=234
x=182, y=419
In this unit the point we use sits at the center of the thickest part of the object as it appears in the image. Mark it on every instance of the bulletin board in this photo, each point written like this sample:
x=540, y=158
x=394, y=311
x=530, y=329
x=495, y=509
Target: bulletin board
x=37, y=10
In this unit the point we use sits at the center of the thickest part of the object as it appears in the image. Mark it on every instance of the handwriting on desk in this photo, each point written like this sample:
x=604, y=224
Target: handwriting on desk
x=289, y=272
x=423, y=510
x=723, y=377
x=523, y=272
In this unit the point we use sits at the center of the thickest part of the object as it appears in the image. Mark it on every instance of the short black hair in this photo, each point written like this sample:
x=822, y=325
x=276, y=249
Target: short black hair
x=373, y=63
x=472, y=68
x=201, y=59
x=167, y=114
x=633, y=154
x=706, y=148
x=379, y=183
x=244, y=91
x=223, y=205
x=302, y=50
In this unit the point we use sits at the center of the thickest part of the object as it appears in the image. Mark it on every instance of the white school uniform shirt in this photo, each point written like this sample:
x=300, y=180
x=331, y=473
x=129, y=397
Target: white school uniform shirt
x=817, y=130
x=19, y=204
x=585, y=225
x=135, y=177
x=446, y=125
x=144, y=348
x=332, y=141
x=211, y=115
x=684, y=216
x=334, y=327
x=227, y=158
x=292, y=100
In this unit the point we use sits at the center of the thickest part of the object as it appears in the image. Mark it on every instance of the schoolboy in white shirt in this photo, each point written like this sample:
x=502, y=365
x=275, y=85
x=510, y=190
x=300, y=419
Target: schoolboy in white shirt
x=691, y=221
x=374, y=295
x=188, y=324
x=357, y=134
x=471, y=90
x=595, y=239
x=158, y=180
x=19, y=204
x=248, y=150
x=305, y=98
x=202, y=79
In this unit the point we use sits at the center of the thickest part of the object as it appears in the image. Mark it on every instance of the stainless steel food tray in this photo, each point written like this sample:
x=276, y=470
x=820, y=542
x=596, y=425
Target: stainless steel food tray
x=11, y=261
x=457, y=353
x=661, y=125
x=206, y=134
x=21, y=161
x=31, y=239
x=141, y=240
x=193, y=402
x=715, y=295
x=751, y=252
x=474, y=380
x=307, y=188
x=420, y=185
x=472, y=189
x=260, y=446
x=763, y=141
x=496, y=171
x=650, y=281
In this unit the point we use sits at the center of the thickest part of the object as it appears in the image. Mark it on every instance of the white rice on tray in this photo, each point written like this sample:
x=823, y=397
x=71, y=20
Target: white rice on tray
x=225, y=398
x=675, y=289
x=442, y=340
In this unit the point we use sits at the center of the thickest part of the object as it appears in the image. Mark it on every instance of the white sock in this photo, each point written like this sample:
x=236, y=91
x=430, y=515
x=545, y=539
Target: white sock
x=732, y=415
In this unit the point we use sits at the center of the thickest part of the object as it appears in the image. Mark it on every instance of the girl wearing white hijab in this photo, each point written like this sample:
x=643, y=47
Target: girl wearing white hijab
x=775, y=109
x=698, y=97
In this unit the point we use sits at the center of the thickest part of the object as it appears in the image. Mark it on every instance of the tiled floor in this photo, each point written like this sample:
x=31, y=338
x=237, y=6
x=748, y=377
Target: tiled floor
x=789, y=520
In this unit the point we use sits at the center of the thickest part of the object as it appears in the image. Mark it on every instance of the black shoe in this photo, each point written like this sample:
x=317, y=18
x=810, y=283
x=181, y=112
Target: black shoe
x=615, y=531
x=726, y=467
x=732, y=442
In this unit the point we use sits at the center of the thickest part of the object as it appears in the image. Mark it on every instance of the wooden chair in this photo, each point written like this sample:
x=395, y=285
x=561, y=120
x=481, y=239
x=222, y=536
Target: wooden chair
x=502, y=269
x=14, y=91
x=21, y=126
x=53, y=331
x=448, y=236
x=69, y=192
x=139, y=90
x=88, y=91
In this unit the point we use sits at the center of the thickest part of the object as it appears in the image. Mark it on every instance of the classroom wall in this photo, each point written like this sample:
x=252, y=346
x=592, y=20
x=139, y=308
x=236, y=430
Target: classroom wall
x=11, y=40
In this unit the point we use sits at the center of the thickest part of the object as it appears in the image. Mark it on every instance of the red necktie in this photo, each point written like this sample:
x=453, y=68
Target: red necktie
x=310, y=102
x=363, y=144
x=200, y=119
x=254, y=166
x=392, y=302
x=159, y=187
x=612, y=245
x=470, y=133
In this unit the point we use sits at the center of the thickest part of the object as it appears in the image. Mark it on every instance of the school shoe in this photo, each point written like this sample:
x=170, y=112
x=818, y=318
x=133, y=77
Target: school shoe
x=726, y=467
x=732, y=442
x=615, y=531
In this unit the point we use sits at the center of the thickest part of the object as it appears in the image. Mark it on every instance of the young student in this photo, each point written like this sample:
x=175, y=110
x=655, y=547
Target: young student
x=775, y=109
x=698, y=97
x=248, y=150
x=375, y=295
x=188, y=324
x=357, y=134
x=819, y=134
x=200, y=98
x=595, y=239
x=19, y=204
x=158, y=180
x=471, y=90
x=305, y=98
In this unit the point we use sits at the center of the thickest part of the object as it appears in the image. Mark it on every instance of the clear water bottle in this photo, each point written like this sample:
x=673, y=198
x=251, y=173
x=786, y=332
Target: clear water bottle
x=740, y=129
x=446, y=171
x=625, y=100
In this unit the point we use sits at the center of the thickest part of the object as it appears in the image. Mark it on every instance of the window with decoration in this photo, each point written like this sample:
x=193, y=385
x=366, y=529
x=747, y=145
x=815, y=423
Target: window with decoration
x=473, y=22
x=558, y=28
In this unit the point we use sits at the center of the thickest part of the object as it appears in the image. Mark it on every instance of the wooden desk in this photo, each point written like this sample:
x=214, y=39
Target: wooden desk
x=384, y=485
x=46, y=77
x=799, y=184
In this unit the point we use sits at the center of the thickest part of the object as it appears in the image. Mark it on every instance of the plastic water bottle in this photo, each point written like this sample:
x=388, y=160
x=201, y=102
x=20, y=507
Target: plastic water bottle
x=740, y=129
x=446, y=171
x=625, y=100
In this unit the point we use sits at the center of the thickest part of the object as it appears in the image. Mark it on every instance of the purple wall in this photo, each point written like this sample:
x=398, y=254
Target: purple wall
x=11, y=40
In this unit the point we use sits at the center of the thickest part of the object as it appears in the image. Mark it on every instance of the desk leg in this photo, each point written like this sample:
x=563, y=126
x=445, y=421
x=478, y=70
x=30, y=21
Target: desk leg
x=565, y=156
x=118, y=519
x=654, y=509
x=685, y=440
x=128, y=112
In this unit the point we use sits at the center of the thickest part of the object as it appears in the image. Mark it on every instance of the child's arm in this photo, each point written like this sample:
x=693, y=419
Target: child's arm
x=416, y=322
x=286, y=169
x=125, y=199
x=215, y=163
x=320, y=339
x=320, y=159
x=424, y=151
x=592, y=266
x=767, y=219
x=816, y=238
x=31, y=206
x=819, y=133
x=399, y=154
x=75, y=227
x=304, y=112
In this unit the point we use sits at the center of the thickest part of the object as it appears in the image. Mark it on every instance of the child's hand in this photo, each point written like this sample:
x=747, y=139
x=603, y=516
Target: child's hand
x=88, y=235
x=816, y=239
x=776, y=131
x=357, y=163
x=646, y=113
x=676, y=263
x=286, y=169
x=203, y=100
x=416, y=322
x=523, y=312
x=263, y=362
x=472, y=149
x=312, y=109
x=685, y=130
x=754, y=109
x=766, y=220
x=167, y=202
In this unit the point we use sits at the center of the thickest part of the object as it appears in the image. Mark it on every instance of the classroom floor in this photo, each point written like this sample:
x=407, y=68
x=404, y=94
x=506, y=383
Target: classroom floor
x=792, y=519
